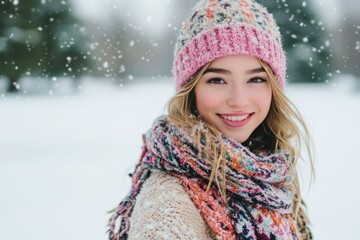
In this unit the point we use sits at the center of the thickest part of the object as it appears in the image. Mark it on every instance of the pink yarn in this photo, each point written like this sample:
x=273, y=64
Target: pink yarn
x=229, y=40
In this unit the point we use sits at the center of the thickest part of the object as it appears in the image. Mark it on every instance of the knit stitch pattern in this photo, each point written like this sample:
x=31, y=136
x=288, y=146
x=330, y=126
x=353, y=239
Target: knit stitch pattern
x=259, y=196
x=164, y=210
x=217, y=28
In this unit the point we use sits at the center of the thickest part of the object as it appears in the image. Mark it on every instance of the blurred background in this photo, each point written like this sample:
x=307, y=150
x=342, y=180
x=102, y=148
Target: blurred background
x=81, y=80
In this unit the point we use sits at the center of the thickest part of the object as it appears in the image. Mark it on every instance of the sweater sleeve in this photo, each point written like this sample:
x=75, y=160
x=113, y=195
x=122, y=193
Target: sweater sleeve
x=163, y=210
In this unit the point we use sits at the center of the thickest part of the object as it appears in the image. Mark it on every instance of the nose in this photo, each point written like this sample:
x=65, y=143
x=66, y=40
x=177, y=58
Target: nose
x=238, y=97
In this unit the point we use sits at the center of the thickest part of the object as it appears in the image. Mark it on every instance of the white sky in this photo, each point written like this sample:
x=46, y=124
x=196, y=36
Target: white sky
x=151, y=16
x=329, y=10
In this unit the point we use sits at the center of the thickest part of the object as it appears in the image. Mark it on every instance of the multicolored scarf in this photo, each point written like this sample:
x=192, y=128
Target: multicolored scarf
x=258, y=188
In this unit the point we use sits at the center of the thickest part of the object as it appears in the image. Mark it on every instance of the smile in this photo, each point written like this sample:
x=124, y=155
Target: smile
x=235, y=120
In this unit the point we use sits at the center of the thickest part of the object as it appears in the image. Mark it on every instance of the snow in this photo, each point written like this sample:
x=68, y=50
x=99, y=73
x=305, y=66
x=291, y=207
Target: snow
x=150, y=16
x=64, y=159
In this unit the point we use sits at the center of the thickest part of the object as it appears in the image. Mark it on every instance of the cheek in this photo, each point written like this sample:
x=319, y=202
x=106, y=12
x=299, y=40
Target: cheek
x=205, y=100
x=264, y=101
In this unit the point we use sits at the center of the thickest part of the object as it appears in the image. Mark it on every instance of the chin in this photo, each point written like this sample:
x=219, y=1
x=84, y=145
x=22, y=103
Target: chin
x=239, y=139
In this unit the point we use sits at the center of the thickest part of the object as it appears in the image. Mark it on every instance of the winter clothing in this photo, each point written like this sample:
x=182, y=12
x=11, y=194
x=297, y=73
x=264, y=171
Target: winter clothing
x=259, y=196
x=164, y=210
x=217, y=28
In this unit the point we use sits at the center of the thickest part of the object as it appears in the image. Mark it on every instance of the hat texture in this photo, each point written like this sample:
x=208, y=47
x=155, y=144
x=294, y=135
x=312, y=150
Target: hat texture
x=217, y=28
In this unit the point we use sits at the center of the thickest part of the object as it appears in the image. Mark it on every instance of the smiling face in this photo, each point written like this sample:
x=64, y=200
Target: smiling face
x=234, y=95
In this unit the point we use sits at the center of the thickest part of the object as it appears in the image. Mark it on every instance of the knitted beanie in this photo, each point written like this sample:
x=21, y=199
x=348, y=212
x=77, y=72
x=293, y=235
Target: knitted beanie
x=217, y=28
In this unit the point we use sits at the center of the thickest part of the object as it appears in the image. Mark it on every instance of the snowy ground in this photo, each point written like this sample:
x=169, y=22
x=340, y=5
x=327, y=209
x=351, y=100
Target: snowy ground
x=64, y=160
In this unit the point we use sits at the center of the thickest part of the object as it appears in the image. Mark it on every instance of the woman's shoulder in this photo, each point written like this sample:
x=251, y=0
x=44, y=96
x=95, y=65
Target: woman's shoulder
x=164, y=210
x=162, y=188
x=161, y=180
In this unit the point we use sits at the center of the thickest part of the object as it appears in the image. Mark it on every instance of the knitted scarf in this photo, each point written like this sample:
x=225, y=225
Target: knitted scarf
x=258, y=188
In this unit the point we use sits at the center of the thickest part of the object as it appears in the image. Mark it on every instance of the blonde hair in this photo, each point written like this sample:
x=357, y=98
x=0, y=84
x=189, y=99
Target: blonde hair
x=284, y=121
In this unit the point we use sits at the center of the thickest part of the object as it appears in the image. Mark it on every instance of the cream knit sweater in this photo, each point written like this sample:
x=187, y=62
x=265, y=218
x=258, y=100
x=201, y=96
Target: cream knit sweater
x=163, y=210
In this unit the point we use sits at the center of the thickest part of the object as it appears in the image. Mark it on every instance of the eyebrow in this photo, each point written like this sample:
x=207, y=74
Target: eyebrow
x=256, y=70
x=217, y=70
x=225, y=71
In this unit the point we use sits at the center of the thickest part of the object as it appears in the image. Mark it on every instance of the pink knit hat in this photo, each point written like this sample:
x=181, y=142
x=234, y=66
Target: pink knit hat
x=217, y=28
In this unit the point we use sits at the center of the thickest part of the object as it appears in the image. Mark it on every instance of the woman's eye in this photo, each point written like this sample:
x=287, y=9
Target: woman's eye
x=216, y=81
x=257, y=80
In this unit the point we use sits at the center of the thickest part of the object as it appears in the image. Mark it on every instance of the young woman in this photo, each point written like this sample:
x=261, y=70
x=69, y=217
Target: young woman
x=222, y=163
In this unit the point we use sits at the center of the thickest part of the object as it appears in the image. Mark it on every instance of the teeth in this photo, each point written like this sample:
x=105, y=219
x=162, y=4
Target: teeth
x=234, y=118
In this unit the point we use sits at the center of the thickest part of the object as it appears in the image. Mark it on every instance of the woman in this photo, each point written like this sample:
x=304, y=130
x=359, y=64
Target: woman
x=222, y=163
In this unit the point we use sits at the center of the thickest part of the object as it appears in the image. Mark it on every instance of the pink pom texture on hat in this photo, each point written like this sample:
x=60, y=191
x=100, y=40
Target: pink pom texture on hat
x=217, y=28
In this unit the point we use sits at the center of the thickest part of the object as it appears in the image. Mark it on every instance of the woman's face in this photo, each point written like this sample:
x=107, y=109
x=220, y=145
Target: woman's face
x=234, y=95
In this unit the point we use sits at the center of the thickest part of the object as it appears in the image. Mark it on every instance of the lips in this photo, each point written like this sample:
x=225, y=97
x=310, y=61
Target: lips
x=236, y=120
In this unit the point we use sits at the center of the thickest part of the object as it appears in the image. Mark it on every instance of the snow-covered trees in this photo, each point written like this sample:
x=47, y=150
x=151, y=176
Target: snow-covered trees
x=306, y=40
x=40, y=38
